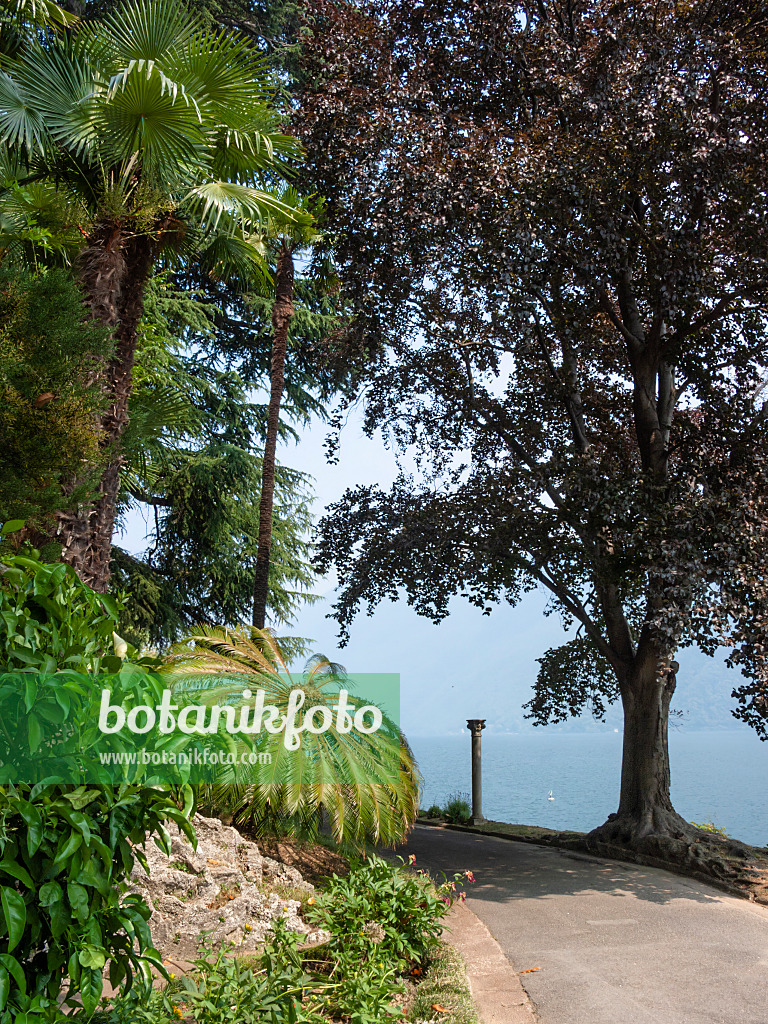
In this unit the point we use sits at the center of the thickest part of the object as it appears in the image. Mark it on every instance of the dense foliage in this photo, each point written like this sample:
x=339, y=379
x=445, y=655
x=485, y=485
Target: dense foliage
x=383, y=921
x=553, y=218
x=192, y=462
x=185, y=450
x=65, y=849
x=160, y=136
x=50, y=357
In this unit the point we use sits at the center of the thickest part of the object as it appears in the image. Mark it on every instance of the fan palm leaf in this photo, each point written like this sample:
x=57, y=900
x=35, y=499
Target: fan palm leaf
x=168, y=133
x=21, y=20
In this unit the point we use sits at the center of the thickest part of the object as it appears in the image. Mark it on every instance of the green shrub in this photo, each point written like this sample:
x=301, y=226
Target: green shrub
x=65, y=848
x=382, y=919
x=457, y=810
x=407, y=906
x=272, y=987
x=434, y=811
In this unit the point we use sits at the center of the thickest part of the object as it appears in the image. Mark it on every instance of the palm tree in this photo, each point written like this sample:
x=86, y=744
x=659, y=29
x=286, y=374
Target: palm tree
x=367, y=784
x=21, y=19
x=168, y=135
x=289, y=238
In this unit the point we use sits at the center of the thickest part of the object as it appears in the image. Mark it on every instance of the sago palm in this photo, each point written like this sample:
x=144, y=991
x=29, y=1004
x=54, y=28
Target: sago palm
x=168, y=134
x=367, y=784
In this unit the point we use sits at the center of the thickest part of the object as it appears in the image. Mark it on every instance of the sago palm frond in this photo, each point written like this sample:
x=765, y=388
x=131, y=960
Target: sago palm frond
x=366, y=783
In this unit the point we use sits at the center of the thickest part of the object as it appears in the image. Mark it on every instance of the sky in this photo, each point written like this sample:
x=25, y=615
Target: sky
x=470, y=665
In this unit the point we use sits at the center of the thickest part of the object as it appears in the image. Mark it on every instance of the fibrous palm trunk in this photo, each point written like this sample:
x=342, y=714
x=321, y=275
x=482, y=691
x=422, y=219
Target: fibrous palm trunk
x=281, y=318
x=115, y=267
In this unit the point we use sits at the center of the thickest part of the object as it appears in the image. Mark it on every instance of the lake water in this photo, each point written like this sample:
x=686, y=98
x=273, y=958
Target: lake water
x=716, y=776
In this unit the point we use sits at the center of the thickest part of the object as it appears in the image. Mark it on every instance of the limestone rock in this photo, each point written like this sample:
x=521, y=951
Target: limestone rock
x=222, y=889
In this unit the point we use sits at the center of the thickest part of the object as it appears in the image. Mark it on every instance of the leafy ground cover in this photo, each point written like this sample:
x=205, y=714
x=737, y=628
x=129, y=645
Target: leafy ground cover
x=382, y=962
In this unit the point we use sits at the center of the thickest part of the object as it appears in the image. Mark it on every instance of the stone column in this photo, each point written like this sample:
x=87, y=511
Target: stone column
x=476, y=726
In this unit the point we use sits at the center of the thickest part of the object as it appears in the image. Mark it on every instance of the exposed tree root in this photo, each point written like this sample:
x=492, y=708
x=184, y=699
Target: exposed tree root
x=678, y=846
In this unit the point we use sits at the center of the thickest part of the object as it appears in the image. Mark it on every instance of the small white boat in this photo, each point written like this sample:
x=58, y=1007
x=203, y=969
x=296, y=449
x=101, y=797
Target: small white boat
x=551, y=795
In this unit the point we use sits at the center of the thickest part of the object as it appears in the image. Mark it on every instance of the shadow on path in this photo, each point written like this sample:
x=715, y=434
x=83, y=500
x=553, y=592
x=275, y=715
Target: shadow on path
x=607, y=942
x=506, y=870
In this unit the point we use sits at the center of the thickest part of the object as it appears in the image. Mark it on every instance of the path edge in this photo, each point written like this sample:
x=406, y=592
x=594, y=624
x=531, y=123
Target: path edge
x=496, y=988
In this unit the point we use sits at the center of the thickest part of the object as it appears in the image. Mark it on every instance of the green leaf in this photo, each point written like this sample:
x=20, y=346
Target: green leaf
x=93, y=933
x=81, y=797
x=189, y=801
x=73, y=968
x=78, y=901
x=14, y=968
x=91, y=984
x=163, y=840
x=63, y=699
x=30, y=692
x=24, y=655
x=49, y=894
x=51, y=713
x=5, y=987
x=70, y=846
x=216, y=199
x=17, y=871
x=117, y=972
x=92, y=873
x=15, y=913
x=92, y=956
x=110, y=604
x=12, y=526
x=34, y=732
x=60, y=918
x=34, y=823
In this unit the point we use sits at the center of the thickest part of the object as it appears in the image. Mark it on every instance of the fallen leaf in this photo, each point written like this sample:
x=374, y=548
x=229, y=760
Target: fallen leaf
x=530, y=970
x=439, y=1009
x=44, y=399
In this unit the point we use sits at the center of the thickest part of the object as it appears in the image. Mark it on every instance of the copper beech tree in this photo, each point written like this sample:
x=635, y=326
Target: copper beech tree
x=552, y=222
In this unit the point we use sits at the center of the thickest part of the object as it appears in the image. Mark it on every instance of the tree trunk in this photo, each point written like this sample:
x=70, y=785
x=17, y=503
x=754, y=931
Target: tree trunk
x=645, y=775
x=647, y=829
x=646, y=821
x=114, y=272
x=281, y=318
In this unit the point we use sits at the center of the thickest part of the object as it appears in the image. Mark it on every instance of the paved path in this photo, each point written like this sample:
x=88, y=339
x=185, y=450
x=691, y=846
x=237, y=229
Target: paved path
x=616, y=944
